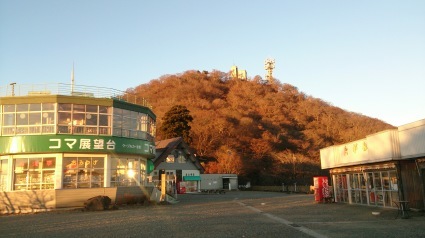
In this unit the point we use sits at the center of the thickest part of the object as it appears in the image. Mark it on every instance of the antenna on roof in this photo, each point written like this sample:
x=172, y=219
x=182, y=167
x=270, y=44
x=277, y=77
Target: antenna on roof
x=72, y=78
x=13, y=89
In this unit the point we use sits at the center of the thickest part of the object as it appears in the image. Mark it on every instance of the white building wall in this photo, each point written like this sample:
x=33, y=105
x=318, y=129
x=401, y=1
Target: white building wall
x=383, y=146
x=194, y=172
x=378, y=147
x=215, y=181
x=347, y=154
x=412, y=139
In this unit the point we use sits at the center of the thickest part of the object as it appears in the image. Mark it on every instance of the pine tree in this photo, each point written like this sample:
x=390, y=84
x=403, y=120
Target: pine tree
x=175, y=123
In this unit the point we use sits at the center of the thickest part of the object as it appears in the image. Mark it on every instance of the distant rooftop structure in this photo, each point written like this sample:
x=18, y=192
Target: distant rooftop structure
x=238, y=73
x=19, y=90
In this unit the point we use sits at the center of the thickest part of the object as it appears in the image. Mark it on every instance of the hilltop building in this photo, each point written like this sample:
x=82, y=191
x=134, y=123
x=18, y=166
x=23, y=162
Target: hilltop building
x=238, y=73
x=59, y=147
x=385, y=169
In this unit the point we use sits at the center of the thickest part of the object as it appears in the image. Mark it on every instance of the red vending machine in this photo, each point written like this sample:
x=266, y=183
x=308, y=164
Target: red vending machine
x=321, y=188
x=181, y=187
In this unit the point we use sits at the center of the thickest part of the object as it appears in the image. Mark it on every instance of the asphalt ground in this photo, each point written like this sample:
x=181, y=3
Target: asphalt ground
x=234, y=214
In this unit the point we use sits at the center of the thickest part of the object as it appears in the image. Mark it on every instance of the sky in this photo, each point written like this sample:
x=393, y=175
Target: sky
x=363, y=56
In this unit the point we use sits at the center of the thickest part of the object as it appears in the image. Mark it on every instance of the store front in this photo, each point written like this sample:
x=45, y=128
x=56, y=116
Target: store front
x=191, y=183
x=69, y=167
x=80, y=144
x=380, y=170
x=367, y=186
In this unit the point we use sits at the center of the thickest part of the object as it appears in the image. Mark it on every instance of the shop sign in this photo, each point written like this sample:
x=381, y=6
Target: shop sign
x=75, y=143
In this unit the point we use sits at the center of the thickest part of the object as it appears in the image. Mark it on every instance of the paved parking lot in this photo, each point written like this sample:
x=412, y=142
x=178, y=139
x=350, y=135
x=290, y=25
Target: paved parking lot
x=234, y=214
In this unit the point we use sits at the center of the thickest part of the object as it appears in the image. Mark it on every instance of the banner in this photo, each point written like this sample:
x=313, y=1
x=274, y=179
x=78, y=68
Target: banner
x=75, y=143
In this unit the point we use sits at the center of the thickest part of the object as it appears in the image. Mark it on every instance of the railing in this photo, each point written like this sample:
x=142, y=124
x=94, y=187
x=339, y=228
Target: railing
x=70, y=90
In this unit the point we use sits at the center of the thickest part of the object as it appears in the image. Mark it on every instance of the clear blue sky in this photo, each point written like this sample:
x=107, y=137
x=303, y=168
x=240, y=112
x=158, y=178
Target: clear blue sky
x=364, y=56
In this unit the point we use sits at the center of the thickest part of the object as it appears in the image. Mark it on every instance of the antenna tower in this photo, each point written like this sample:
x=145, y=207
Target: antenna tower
x=269, y=66
x=72, y=78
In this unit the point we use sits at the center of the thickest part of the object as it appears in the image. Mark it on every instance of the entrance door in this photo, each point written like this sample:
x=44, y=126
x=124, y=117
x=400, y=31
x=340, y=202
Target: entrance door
x=423, y=187
x=226, y=182
x=179, y=176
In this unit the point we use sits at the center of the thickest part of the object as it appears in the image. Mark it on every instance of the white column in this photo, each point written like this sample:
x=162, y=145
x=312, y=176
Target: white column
x=107, y=171
x=349, y=189
x=335, y=185
x=9, y=179
x=59, y=172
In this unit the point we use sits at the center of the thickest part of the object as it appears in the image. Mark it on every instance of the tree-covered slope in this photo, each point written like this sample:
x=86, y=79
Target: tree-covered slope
x=266, y=133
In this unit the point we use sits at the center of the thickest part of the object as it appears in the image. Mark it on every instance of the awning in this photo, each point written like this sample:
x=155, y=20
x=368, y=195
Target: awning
x=191, y=178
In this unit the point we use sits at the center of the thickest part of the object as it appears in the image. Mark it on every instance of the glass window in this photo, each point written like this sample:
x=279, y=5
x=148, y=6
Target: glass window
x=34, y=173
x=143, y=173
x=132, y=124
x=125, y=172
x=9, y=119
x=22, y=107
x=9, y=108
x=42, y=118
x=35, y=107
x=83, y=172
x=78, y=119
x=143, y=122
x=126, y=116
x=35, y=118
x=104, y=120
x=91, y=119
x=118, y=122
x=48, y=117
x=3, y=174
x=22, y=119
x=91, y=108
x=170, y=159
x=84, y=119
x=181, y=158
x=393, y=182
x=64, y=107
x=104, y=109
x=79, y=108
x=64, y=118
x=48, y=106
x=341, y=188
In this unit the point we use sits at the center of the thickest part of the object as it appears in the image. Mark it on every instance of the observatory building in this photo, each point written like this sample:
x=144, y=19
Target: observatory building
x=62, y=144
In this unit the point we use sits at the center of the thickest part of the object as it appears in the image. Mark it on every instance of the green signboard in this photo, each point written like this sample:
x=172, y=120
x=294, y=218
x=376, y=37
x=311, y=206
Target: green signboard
x=75, y=143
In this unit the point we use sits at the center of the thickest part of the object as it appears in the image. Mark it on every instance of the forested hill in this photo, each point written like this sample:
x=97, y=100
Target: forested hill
x=267, y=133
